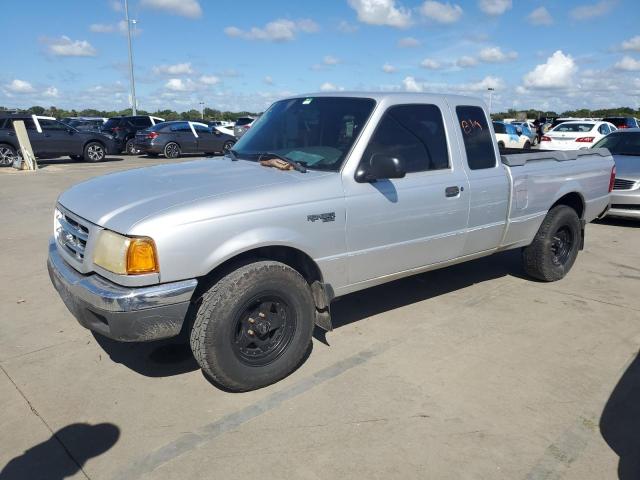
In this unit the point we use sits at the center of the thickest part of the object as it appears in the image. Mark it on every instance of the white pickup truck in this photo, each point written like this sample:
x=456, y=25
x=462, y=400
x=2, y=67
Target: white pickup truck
x=325, y=195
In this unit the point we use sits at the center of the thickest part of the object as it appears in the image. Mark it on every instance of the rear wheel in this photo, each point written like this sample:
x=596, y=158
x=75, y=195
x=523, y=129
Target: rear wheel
x=228, y=145
x=94, y=152
x=7, y=155
x=555, y=247
x=527, y=145
x=130, y=147
x=172, y=150
x=254, y=326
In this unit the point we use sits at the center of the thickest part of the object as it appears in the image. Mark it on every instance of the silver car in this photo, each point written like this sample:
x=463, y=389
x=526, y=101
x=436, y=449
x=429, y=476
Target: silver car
x=242, y=125
x=624, y=145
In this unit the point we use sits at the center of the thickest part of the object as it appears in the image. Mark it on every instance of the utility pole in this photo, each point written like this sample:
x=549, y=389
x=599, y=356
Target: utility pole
x=131, y=79
x=490, y=89
x=202, y=110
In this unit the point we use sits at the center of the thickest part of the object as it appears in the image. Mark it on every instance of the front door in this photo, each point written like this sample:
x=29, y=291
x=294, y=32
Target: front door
x=419, y=220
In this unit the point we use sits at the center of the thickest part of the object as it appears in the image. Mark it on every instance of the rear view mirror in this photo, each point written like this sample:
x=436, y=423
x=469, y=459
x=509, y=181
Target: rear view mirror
x=380, y=167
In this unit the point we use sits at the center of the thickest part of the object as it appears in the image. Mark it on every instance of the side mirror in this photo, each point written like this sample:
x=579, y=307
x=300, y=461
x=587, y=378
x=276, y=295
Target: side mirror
x=380, y=167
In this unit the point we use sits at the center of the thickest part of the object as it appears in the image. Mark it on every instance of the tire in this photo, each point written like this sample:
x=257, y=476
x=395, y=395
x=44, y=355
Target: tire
x=7, y=155
x=555, y=247
x=172, y=150
x=527, y=145
x=228, y=145
x=130, y=148
x=77, y=158
x=225, y=337
x=94, y=152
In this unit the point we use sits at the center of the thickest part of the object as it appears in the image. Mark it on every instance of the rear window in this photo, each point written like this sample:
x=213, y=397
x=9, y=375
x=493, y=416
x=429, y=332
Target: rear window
x=112, y=123
x=141, y=121
x=478, y=141
x=180, y=127
x=621, y=143
x=574, y=127
x=243, y=121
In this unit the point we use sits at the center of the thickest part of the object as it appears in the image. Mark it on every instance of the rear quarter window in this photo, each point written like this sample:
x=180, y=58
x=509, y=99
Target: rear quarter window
x=478, y=141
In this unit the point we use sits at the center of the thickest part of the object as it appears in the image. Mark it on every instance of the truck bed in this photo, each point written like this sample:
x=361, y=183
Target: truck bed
x=515, y=157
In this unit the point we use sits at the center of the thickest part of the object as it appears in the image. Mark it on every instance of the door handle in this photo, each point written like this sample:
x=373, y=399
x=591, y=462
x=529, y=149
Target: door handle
x=452, y=191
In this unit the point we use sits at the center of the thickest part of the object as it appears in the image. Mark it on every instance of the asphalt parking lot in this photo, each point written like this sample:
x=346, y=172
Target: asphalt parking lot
x=471, y=372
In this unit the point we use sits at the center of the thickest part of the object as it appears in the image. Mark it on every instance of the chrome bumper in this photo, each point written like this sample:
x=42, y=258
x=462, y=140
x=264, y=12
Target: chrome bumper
x=122, y=313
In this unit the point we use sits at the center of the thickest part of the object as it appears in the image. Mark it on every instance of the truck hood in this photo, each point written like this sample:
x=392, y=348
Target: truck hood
x=120, y=200
x=627, y=166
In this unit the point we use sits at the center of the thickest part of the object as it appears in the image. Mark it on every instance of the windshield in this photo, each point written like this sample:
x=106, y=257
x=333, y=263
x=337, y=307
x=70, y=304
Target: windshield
x=621, y=143
x=316, y=132
x=574, y=127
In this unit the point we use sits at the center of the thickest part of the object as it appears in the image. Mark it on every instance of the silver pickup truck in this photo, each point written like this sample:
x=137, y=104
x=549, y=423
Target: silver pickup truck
x=325, y=195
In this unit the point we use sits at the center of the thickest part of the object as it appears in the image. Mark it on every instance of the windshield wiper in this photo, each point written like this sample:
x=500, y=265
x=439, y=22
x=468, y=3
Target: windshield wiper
x=297, y=166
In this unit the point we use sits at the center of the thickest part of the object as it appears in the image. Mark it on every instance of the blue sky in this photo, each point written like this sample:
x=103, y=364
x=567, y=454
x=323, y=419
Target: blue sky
x=544, y=54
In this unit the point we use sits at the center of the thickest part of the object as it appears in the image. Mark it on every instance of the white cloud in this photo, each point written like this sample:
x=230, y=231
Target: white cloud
x=411, y=85
x=495, y=7
x=430, y=64
x=487, y=82
x=408, y=42
x=540, y=16
x=387, y=68
x=330, y=87
x=116, y=5
x=176, y=69
x=632, y=44
x=184, y=8
x=628, y=63
x=120, y=27
x=466, y=61
x=381, y=12
x=20, y=86
x=280, y=30
x=346, y=27
x=268, y=80
x=179, y=85
x=209, y=80
x=496, y=55
x=65, y=47
x=51, y=92
x=557, y=72
x=441, y=12
x=101, y=27
x=330, y=60
x=589, y=11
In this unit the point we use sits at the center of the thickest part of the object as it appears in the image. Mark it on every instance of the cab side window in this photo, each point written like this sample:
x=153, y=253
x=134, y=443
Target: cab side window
x=52, y=125
x=414, y=134
x=478, y=141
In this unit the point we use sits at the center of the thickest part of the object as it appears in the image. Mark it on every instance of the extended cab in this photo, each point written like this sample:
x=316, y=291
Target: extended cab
x=325, y=195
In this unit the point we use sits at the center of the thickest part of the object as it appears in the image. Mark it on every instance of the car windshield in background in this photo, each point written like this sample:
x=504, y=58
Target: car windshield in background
x=316, y=132
x=574, y=127
x=243, y=121
x=621, y=143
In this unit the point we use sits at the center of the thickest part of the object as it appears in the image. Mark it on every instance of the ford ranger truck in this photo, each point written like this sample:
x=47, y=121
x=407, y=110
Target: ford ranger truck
x=325, y=195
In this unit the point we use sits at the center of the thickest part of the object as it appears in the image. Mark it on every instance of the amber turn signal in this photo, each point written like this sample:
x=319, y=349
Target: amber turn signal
x=142, y=256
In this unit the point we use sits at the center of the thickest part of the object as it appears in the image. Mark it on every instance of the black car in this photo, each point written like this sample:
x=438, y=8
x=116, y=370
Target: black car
x=175, y=138
x=124, y=129
x=622, y=122
x=53, y=139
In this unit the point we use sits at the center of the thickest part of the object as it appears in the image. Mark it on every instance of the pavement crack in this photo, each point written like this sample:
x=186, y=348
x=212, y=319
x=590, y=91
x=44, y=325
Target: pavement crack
x=44, y=422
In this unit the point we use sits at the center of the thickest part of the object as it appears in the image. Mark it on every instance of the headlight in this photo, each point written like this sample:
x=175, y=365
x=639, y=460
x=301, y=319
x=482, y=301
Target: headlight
x=125, y=255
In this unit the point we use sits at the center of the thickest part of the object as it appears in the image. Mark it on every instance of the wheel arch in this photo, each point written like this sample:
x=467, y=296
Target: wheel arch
x=94, y=140
x=574, y=200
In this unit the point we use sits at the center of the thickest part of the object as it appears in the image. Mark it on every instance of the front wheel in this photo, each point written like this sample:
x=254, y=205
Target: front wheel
x=94, y=152
x=172, y=150
x=555, y=247
x=254, y=326
x=228, y=145
x=7, y=155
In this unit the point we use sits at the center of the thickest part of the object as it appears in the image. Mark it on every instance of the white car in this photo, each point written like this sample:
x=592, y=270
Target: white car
x=575, y=135
x=510, y=136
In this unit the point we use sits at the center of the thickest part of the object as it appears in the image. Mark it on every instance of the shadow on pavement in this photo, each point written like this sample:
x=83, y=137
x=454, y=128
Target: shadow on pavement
x=373, y=301
x=44, y=163
x=620, y=422
x=48, y=460
x=162, y=358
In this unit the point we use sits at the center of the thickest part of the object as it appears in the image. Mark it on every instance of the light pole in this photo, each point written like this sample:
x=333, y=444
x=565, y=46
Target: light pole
x=131, y=79
x=490, y=89
x=202, y=110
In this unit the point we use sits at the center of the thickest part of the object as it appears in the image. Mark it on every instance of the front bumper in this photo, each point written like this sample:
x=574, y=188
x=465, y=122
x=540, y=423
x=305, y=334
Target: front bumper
x=122, y=313
x=625, y=203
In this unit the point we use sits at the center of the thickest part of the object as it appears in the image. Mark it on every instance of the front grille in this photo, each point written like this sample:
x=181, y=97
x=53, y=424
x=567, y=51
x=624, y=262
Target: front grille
x=623, y=184
x=619, y=206
x=72, y=235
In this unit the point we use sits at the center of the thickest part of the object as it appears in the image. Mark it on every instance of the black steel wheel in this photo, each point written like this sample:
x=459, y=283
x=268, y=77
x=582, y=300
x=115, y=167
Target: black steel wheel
x=555, y=247
x=253, y=326
x=94, y=152
x=172, y=150
x=7, y=155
